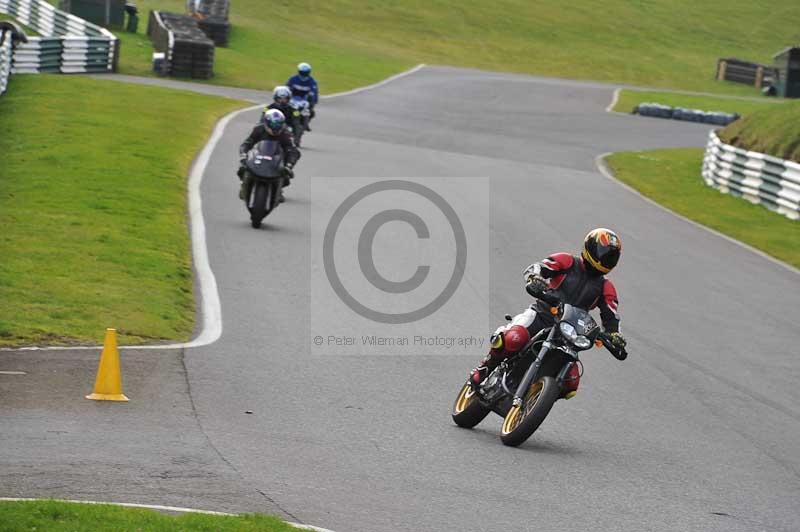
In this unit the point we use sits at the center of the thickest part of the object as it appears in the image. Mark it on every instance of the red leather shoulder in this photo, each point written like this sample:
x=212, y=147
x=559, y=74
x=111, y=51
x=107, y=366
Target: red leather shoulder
x=559, y=261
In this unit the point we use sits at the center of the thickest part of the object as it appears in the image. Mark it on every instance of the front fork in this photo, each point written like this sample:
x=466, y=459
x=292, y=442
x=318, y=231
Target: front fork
x=533, y=370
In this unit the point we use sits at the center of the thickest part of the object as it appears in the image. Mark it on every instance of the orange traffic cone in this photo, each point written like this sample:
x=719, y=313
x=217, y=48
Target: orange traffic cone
x=108, y=384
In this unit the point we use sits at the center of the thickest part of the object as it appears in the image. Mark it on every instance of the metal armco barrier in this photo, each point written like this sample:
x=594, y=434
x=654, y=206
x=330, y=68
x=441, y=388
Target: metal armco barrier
x=756, y=177
x=5, y=59
x=67, y=44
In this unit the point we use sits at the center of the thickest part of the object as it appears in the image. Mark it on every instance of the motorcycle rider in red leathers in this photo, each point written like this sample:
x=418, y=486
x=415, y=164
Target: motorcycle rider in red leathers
x=578, y=281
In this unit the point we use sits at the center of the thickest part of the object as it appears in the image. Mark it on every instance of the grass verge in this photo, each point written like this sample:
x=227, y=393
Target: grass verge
x=672, y=178
x=351, y=43
x=56, y=516
x=774, y=130
x=628, y=99
x=93, y=209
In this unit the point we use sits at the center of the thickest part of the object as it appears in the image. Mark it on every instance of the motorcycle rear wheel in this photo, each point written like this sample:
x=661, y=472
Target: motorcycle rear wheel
x=467, y=410
x=522, y=421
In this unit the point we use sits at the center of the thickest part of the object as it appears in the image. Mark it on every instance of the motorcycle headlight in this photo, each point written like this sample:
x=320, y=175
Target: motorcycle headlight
x=571, y=334
x=582, y=342
x=568, y=331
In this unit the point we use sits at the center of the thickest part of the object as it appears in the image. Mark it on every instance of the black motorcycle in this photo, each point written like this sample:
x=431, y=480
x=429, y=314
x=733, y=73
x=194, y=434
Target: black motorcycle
x=264, y=177
x=524, y=387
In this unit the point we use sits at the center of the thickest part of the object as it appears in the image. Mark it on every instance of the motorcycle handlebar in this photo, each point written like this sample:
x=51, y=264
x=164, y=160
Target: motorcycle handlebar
x=553, y=300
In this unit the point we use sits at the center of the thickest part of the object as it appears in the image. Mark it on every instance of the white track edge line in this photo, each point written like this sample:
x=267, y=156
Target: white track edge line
x=209, y=294
x=211, y=307
x=602, y=167
x=614, y=99
x=156, y=507
x=375, y=85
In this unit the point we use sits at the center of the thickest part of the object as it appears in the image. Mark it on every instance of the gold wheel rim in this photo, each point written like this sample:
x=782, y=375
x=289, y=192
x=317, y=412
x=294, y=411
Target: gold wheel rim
x=464, y=398
x=516, y=414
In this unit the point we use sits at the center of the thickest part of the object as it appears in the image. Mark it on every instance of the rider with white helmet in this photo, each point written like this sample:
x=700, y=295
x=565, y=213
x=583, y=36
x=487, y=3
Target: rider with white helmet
x=280, y=101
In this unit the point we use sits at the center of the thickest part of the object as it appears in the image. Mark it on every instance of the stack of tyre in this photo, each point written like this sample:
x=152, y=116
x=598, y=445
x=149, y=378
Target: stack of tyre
x=212, y=17
x=189, y=53
x=687, y=115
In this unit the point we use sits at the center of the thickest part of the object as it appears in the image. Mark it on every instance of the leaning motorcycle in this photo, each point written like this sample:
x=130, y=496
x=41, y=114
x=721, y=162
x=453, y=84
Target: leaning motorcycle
x=524, y=387
x=264, y=177
x=301, y=111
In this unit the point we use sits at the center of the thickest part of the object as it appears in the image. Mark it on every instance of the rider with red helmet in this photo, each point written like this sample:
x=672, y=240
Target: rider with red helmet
x=577, y=280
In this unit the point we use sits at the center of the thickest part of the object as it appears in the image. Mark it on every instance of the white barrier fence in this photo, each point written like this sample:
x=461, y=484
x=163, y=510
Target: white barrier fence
x=5, y=59
x=67, y=43
x=756, y=177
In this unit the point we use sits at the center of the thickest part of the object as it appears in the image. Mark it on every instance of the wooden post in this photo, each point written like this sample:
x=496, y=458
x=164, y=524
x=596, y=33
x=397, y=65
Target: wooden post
x=759, y=76
x=721, y=68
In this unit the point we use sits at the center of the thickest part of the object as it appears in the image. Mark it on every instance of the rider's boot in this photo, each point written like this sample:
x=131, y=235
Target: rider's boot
x=504, y=342
x=486, y=366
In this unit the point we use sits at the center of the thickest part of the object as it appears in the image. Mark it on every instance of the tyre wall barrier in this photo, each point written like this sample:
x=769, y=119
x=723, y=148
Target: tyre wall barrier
x=66, y=44
x=11, y=35
x=5, y=59
x=187, y=51
x=759, y=178
x=212, y=18
x=688, y=115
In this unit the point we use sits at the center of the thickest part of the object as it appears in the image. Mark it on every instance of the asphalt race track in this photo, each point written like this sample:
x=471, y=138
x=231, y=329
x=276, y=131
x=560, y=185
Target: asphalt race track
x=697, y=431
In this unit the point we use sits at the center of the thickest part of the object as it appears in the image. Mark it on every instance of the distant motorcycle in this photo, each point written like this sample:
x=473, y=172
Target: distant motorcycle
x=264, y=177
x=302, y=114
x=524, y=387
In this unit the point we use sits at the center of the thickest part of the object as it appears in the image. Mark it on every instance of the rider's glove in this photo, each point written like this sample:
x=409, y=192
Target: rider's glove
x=240, y=172
x=534, y=269
x=536, y=285
x=287, y=171
x=617, y=340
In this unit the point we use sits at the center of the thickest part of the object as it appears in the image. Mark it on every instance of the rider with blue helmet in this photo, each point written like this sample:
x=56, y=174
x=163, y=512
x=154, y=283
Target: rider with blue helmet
x=305, y=86
x=271, y=127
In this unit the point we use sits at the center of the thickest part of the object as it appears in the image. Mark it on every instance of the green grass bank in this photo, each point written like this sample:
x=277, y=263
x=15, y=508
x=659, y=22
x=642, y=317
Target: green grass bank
x=773, y=130
x=93, y=209
x=350, y=43
x=55, y=516
x=672, y=178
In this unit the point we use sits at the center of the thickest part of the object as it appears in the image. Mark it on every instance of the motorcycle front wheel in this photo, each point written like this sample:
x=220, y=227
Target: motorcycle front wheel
x=259, y=209
x=467, y=410
x=522, y=421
